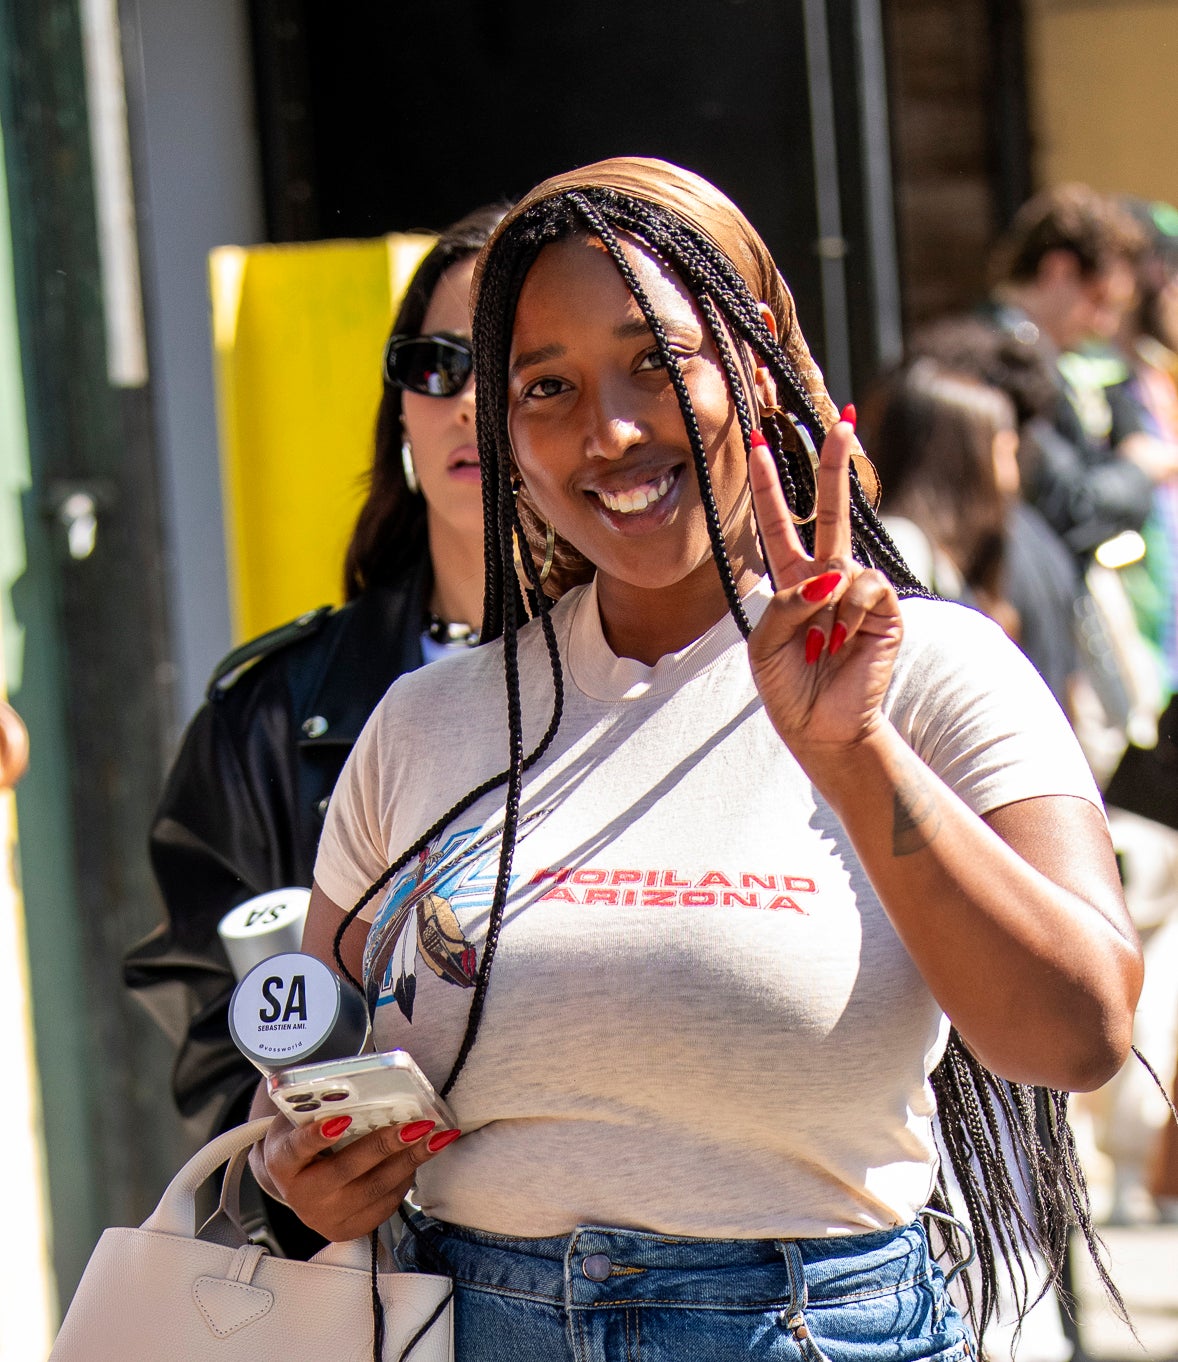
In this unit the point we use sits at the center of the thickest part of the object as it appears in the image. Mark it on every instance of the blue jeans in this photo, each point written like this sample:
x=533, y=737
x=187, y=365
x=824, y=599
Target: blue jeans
x=609, y=1295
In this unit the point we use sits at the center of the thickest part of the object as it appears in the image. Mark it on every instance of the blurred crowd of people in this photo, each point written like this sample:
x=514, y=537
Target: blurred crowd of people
x=1029, y=458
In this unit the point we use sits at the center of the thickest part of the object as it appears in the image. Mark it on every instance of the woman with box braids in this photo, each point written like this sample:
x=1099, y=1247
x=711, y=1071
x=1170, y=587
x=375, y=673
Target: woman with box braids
x=773, y=816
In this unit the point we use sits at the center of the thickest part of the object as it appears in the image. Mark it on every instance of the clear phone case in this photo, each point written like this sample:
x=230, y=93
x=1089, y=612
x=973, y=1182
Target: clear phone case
x=374, y=1090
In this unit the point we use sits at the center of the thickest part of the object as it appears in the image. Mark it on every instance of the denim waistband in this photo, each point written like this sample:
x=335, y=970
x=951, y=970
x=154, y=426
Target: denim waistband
x=596, y=1265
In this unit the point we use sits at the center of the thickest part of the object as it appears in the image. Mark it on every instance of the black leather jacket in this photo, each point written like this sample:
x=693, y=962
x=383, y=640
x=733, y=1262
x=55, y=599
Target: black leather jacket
x=243, y=809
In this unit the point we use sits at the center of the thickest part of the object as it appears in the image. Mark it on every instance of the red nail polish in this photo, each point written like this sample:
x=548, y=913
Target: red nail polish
x=815, y=641
x=838, y=636
x=849, y=415
x=414, y=1131
x=818, y=588
x=333, y=1129
x=438, y=1142
x=758, y=441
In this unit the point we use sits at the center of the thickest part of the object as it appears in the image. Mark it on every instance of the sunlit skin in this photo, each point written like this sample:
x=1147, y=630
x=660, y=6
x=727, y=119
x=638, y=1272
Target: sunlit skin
x=1015, y=920
x=441, y=432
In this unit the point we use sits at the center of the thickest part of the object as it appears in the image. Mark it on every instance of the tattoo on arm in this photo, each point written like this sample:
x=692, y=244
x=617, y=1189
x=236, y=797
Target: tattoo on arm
x=916, y=820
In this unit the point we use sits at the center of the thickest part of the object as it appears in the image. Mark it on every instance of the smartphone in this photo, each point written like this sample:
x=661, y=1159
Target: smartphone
x=374, y=1090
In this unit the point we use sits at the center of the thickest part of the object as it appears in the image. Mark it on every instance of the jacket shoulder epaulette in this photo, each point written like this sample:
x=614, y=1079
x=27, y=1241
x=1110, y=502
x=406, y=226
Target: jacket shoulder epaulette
x=235, y=663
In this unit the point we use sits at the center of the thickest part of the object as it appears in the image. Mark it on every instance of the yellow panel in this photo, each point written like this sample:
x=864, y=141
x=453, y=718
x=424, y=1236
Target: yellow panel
x=1104, y=94
x=297, y=337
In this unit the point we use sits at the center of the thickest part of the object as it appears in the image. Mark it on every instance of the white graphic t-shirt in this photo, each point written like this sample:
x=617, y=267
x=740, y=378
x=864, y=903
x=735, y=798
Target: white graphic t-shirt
x=700, y=1020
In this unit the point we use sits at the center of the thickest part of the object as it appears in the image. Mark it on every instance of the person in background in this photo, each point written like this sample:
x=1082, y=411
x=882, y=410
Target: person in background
x=946, y=450
x=1146, y=781
x=1041, y=577
x=243, y=807
x=1149, y=343
x=1063, y=275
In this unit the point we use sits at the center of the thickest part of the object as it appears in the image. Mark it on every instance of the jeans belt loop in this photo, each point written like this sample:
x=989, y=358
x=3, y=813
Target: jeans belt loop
x=795, y=1314
x=958, y=1224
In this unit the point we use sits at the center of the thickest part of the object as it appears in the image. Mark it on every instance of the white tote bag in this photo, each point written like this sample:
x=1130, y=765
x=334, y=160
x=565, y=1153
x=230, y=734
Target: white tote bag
x=167, y=1292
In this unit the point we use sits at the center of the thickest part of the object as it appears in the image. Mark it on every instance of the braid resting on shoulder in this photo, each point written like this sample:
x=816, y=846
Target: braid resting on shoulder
x=1013, y=918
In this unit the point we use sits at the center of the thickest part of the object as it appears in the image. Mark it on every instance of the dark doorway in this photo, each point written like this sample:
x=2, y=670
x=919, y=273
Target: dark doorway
x=378, y=117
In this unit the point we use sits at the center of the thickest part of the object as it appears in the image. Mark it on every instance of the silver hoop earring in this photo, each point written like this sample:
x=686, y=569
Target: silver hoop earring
x=411, y=479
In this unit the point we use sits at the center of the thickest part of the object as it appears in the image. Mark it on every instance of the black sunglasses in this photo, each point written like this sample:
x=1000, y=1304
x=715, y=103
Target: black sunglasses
x=434, y=366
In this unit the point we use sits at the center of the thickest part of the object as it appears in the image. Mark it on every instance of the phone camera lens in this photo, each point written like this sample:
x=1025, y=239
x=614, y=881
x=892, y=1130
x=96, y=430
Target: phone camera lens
x=305, y=1106
x=301, y=1097
x=334, y=1096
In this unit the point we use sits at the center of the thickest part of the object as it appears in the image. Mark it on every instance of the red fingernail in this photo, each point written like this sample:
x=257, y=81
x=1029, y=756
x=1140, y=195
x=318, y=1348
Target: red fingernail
x=438, y=1142
x=838, y=636
x=815, y=639
x=758, y=441
x=818, y=588
x=333, y=1129
x=849, y=415
x=415, y=1130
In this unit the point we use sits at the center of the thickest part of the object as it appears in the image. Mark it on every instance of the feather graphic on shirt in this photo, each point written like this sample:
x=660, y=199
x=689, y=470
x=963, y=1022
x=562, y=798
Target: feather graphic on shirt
x=402, y=969
x=423, y=922
x=443, y=947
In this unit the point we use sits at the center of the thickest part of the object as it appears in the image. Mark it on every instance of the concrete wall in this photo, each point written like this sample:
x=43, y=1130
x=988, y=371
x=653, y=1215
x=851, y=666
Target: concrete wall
x=198, y=181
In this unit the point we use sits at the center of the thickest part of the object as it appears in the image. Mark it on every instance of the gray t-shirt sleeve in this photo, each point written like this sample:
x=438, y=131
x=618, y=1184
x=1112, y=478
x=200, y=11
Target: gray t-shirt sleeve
x=353, y=849
x=974, y=709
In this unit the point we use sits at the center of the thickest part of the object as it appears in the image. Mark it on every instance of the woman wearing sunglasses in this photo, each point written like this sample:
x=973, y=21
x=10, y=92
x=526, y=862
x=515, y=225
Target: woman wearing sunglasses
x=244, y=804
x=758, y=856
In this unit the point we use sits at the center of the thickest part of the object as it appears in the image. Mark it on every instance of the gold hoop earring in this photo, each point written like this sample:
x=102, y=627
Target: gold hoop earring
x=520, y=543
x=521, y=547
x=549, y=551
x=808, y=445
x=864, y=469
x=411, y=479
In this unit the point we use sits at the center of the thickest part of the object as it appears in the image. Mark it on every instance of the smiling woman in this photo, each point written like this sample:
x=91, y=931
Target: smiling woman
x=601, y=447
x=698, y=1117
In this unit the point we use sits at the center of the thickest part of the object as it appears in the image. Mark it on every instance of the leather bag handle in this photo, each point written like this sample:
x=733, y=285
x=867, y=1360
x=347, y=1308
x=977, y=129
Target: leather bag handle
x=176, y=1212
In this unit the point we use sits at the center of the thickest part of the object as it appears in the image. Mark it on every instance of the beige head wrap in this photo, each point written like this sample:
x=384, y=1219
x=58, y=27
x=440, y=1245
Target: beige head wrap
x=704, y=207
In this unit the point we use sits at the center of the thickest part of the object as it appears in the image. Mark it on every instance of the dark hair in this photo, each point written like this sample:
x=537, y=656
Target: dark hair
x=933, y=447
x=389, y=538
x=1067, y=217
x=979, y=1111
x=994, y=355
x=1157, y=266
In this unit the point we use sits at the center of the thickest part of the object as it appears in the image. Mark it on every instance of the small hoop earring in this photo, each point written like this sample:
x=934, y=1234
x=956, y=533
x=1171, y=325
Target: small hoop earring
x=521, y=547
x=521, y=544
x=549, y=551
x=411, y=479
x=811, y=450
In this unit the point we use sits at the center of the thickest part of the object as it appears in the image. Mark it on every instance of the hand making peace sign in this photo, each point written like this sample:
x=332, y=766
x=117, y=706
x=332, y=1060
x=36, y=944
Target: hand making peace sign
x=822, y=653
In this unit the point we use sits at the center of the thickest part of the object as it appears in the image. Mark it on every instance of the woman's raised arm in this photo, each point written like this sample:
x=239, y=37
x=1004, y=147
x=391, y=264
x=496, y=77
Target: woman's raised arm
x=1016, y=921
